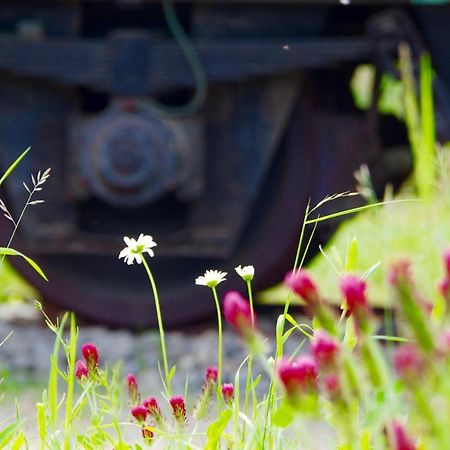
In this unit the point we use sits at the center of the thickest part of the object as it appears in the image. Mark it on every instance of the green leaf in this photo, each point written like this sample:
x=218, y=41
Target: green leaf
x=255, y=382
x=20, y=440
x=41, y=422
x=371, y=270
x=350, y=336
x=352, y=256
x=284, y=415
x=215, y=430
x=171, y=373
x=438, y=311
x=85, y=442
x=13, y=166
x=9, y=432
x=279, y=334
x=390, y=338
x=299, y=327
x=12, y=252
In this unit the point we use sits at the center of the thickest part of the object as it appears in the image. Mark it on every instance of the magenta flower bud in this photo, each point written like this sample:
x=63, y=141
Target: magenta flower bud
x=444, y=343
x=211, y=374
x=446, y=261
x=133, y=389
x=140, y=413
x=303, y=285
x=444, y=287
x=408, y=361
x=299, y=375
x=228, y=393
x=400, y=272
x=353, y=288
x=237, y=313
x=81, y=370
x=400, y=439
x=153, y=408
x=331, y=384
x=131, y=381
x=178, y=408
x=324, y=349
x=90, y=354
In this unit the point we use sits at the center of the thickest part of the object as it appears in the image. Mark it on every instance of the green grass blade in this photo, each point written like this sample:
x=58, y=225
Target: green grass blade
x=355, y=210
x=71, y=357
x=426, y=162
x=41, y=423
x=352, y=256
x=13, y=165
x=53, y=376
x=216, y=429
x=8, y=433
x=12, y=252
x=19, y=442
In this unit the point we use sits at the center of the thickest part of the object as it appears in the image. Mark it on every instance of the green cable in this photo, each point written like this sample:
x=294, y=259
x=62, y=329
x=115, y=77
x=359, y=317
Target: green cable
x=198, y=98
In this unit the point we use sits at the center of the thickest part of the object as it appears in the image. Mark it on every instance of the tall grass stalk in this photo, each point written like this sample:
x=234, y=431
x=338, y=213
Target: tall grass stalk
x=419, y=119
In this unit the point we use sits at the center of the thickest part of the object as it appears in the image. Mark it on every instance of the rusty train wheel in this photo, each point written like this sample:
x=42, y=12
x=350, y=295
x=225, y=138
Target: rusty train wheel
x=103, y=289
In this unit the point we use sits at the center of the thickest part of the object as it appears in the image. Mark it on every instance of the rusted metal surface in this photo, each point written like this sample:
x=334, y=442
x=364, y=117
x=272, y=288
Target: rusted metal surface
x=139, y=65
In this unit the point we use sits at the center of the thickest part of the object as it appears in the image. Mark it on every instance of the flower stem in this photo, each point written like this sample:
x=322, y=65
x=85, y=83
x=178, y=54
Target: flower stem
x=250, y=299
x=160, y=326
x=250, y=359
x=219, y=344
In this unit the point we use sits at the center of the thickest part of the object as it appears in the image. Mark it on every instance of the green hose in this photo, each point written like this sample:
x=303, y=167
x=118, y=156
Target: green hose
x=201, y=86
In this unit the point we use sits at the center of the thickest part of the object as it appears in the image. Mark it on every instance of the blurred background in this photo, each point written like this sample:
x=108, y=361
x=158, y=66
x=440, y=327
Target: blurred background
x=206, y=124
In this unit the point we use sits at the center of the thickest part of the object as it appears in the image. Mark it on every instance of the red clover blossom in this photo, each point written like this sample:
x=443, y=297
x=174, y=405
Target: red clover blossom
x=400, y=272
x=153, y=408
x=446, y=261
x=408, y=361
x=211, y=374
x=133, y=389
x=324, y=349
x=237, y=313
x=140, y=413
x=299, y=375
x=353, y=288
x=90, y=354
x=331, y=384
x=400, y=439
x=178, y=408
x=228, y=393
x=303, y=285
x=444, y=283
x=81, y=370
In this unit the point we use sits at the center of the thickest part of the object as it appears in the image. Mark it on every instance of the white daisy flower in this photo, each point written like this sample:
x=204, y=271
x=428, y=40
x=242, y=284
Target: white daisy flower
x=246, y=273
x=135, y=248
x=211, y=278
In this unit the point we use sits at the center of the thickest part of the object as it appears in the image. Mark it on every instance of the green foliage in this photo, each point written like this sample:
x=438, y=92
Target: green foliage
x=12, y=252
x=216, y=429
x=419, y=119
x=13, y=166
x=13, y=287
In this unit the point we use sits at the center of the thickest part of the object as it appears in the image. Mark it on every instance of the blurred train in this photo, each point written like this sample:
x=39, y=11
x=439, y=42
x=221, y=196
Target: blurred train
x=206, y=124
